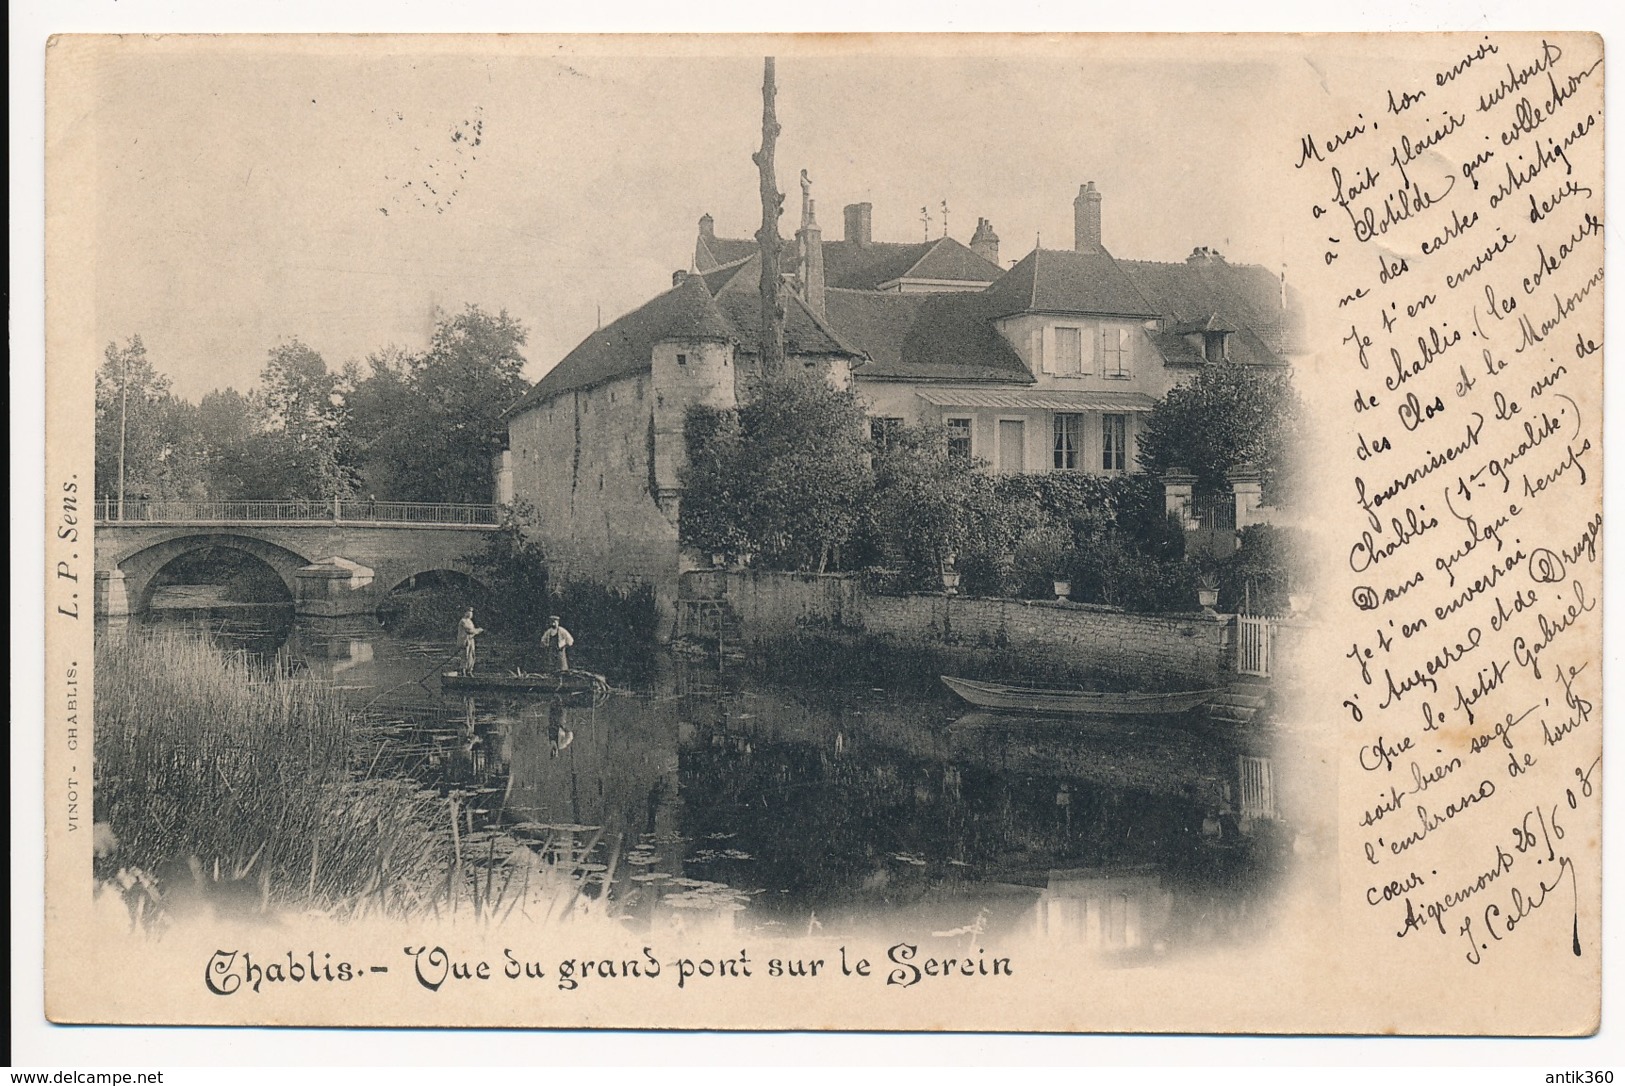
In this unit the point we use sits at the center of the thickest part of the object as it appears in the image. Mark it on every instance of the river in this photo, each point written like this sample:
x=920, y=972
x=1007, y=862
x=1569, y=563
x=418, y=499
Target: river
x=828, y=808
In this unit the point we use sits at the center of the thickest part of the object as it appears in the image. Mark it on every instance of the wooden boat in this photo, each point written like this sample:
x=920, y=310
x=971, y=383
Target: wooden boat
x=548, y=683
x=1040, y=699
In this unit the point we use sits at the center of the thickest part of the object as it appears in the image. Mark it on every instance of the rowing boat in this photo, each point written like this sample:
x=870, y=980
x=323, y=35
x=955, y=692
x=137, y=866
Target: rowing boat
x=1039, y=699
x=554, y=682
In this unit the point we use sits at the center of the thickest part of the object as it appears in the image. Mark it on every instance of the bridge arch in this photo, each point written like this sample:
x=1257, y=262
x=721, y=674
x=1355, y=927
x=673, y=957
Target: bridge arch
x=141, y=565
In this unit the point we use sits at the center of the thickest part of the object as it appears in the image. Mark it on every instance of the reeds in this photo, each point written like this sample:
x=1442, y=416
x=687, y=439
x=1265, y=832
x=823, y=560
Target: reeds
x=224, y=790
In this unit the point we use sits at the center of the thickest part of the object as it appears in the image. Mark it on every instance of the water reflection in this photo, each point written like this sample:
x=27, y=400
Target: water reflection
x=715, y=801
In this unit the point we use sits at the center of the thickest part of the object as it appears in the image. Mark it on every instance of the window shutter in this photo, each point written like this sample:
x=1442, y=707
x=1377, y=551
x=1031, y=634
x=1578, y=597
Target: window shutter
x=1046, y=350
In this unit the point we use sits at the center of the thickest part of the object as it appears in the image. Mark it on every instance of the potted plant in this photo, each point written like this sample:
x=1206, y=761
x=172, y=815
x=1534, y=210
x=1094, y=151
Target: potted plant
x=1207, y=590
x=950, y=575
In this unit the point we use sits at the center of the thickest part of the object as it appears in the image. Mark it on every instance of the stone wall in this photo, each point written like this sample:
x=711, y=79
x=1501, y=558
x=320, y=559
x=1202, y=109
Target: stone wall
x=582, y=462
x=1182, y=648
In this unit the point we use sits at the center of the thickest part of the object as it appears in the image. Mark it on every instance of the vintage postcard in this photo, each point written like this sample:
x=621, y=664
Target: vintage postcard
x=998, y=533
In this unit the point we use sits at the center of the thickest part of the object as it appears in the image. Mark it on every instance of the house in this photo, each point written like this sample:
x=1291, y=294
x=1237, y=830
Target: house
x=1049, y=365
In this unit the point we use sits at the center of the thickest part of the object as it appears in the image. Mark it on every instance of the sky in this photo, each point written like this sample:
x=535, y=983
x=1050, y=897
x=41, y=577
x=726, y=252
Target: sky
x=343, y=191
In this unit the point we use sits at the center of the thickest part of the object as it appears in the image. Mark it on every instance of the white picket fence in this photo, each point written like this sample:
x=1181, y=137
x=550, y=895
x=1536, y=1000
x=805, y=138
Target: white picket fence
x=1253, y=634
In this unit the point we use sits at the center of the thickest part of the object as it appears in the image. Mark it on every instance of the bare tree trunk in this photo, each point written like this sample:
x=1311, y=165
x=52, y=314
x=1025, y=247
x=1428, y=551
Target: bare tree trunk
x=767, y=237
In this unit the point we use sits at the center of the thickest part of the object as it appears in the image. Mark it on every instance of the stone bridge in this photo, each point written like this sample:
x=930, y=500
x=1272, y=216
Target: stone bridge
x=338, y=558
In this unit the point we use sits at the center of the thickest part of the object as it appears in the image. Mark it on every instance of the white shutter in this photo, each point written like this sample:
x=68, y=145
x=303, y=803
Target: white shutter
x=1046, y=349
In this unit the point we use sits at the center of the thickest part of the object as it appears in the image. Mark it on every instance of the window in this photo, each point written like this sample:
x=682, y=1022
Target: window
x=1114, y=351
x=1069, y=351
x=959, y=438
x=1068, y=440
x=1114, y=430
x=1012, y=446
x=682, y=360
x=883, y=432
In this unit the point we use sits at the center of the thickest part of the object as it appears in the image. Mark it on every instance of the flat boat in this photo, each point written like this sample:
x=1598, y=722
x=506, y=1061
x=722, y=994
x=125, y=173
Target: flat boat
x=554, y=682
x=1041, y=699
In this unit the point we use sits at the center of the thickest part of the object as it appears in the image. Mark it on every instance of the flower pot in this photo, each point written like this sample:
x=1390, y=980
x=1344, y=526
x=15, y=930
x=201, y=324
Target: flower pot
x=719, y=560
x=1063, y=589
x=1207, y=597
x=950, y=582
x=1300, y=602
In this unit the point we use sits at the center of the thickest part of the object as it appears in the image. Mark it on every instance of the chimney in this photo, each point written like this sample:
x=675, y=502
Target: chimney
x=985, y=243
x=678, y=277
x=1086, y=217
x=708, y=226
x=812, y=260
x=857, y=224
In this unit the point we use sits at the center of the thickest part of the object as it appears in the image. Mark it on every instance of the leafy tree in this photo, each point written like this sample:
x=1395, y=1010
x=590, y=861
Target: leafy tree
x=425, y=426
x=304, y=406
x=791, y=482
x=162, y=458
x=244, y=458
x=711, y=482
x=1229, y=416
x=930, y=507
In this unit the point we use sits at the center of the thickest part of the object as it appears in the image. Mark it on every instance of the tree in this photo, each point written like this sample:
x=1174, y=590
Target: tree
x=160, y=452
x=929, y=506
x=305, y=408
x=426, y=426
x=787, y=480
x=1229, y=416
x=767, y=235
x=244, y=460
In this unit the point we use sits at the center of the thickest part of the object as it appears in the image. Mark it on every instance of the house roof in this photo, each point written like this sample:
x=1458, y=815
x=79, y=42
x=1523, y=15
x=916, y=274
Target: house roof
x=851, y=266
x=925, y=336
x=1069, y=281
x=622, y=347
x=804, y=332
x=866, y=267
x=1245, y=297
x=711, y=252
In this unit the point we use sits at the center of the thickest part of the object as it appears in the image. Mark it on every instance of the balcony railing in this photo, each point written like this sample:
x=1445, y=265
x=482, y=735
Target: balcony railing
x=144, y=511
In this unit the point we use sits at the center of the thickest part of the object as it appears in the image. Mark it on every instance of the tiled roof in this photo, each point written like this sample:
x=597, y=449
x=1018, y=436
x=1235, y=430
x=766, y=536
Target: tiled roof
x=743, y=274
x=1067, y=281
x=874, y=322
x=1213, y=323
x=851, y=266
x=936, y=336
x=804, y=333
x=622, y=347
x=948, y=260
x=1244, y=296
x=714, y=251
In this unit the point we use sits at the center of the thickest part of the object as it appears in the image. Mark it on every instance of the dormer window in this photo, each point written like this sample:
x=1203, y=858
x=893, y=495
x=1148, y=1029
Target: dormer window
x=1215, y=347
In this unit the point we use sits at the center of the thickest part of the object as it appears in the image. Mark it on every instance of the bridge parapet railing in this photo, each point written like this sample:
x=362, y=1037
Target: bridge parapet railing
x=180, y=511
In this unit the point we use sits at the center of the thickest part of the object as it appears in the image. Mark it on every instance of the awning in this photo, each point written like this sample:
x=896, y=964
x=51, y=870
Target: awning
x=1040, y=399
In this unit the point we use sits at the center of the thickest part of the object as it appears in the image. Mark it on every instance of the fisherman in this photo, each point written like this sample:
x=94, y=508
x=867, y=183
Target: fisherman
x=466, y=633
x=556, y=641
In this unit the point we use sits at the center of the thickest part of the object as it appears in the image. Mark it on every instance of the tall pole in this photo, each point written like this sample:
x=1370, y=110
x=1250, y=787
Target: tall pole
x=767, y=237
x=123, y=414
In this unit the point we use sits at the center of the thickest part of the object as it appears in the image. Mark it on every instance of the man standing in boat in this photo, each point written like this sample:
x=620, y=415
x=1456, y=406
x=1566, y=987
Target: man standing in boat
x=556, y=641
x=466, y=633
